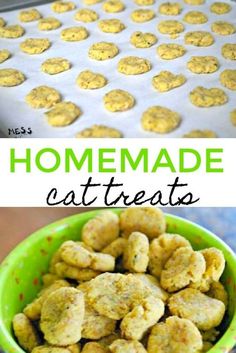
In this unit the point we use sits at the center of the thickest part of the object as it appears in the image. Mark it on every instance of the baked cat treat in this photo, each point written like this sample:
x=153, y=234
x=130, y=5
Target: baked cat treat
x=133, y=65
x=86, y=15
x=103, y=51
x=99, y=131
x=203, y=64
x=208, y=97
x=143, y=40
x=113, y=6
x=54, y=66
x=29, y=15
x=166, y=80
x=170, y=51
x=63, y=114
x=35, y=45
x=91, y=80
x=98, y=295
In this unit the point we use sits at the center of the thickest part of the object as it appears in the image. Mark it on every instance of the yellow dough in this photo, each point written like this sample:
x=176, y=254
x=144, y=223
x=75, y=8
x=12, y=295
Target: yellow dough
x=63, y=6
x=55, y=66
x=166, y=80
x=220, y=8
x=170, y=27
x=113, y=6
x=86, y=15
x=35, y=45
x=63, y=114
x=99, y=131
x=91, y=80
x=118, y=100
x=229, y=51
x=14, y=31
x=208, y=97
x=4, y=55
x=74, y=34
x=200, y=134
x=233, y=117
x=43, y=97
x=195, y=17
x=228, y=79
x=160, y=120
x=170, y=8
x=143, y=40
x=91, y=2
x=11, y=77
x=48, y=24
x=103, y=51
x=223, y=28
x=199, y=38
x=2, y=22
x=133, y=65
x=111, y=26
x=203, y=64
x=194, y=2
x=144, y=2
x=29, y=15
x=170, y=51
x=142, y=15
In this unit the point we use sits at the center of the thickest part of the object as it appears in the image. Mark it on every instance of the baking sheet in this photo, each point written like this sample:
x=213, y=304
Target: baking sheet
x=15, y=113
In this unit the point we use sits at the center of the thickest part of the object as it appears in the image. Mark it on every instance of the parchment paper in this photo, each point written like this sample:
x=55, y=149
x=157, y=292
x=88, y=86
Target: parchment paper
x=14, y=112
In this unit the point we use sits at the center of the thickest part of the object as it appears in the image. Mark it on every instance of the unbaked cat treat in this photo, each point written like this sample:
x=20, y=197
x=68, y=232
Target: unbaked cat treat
x=2, y=22
x=111, y=25
x=233, y=117
x=99, y=295
x=35, y=45
x=220, y=8
x=166, y=80
x=100, y=131
x=133, y=65
x=200, y=134
x=63, y=6
x=49, y=24
x=195, y=17
x=229, y=51
x=63, y=114
x=170, y=27
x=143, y=40
x=11, y=77
x=170, y=8
x=228, y=79
x=208, y=97
x=160, y=120
x=203, y=64
x=4, y=55
x=55, y=66
x=199, y=38
x=170, y=51
x=223, y=28
x=103, y=51
x=142, y=15
x=43, y=97
x=113, y=6
x=11, y=31
x=118, y=100
x=74, y=34
x=91, y=80
x=86, y=15
x=29, y=15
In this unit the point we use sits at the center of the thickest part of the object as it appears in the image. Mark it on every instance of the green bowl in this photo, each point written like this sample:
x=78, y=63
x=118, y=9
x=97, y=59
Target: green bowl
x=21, y=271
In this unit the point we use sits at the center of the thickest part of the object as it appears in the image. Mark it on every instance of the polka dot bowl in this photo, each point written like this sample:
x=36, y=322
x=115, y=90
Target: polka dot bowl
x=21, y=271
